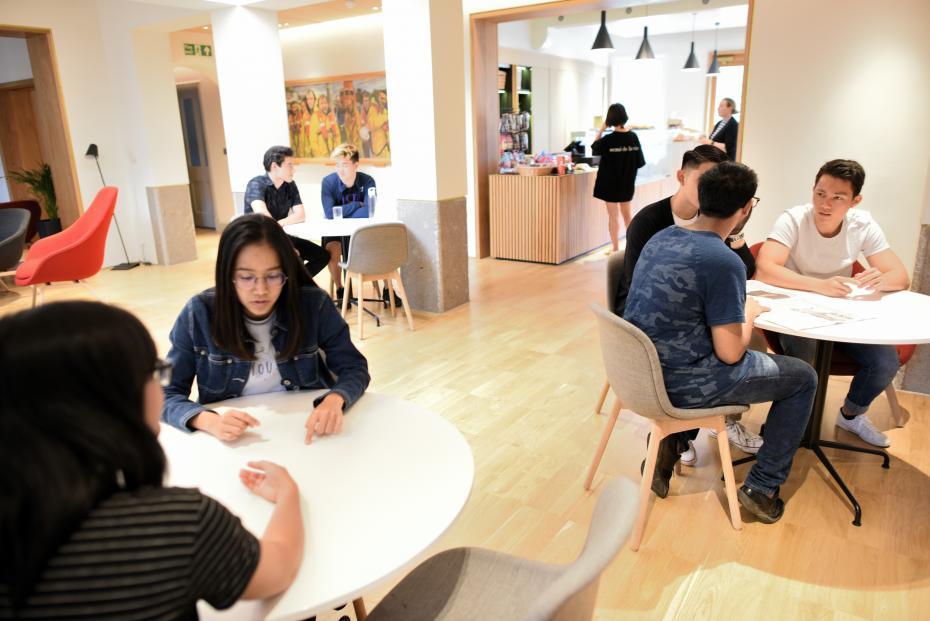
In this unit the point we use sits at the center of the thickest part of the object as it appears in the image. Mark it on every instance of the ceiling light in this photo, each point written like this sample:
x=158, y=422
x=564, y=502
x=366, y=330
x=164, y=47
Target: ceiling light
x=645, y=50
x=376, y=8
x=602, y=40
x=692, y=63
x=714, y=68
x=206, y=28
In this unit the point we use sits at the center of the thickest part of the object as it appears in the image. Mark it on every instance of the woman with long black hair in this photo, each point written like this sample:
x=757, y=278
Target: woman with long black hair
x=265, y=327
x=87, y=530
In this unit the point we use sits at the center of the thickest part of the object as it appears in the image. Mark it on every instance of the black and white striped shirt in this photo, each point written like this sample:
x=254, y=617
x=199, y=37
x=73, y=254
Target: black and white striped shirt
x=150, y=554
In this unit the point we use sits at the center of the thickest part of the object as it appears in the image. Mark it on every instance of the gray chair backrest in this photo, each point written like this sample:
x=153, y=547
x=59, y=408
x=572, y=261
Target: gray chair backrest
x=377, y=248
x=13, y=226
x=614, y=276
x=572, y=595
x=635, y=374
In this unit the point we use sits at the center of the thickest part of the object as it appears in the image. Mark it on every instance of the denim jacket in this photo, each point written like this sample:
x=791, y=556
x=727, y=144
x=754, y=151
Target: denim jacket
x=326, y=359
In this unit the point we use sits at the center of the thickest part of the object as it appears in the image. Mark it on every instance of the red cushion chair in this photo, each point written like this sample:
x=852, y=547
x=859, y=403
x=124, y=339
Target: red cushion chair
x=841, y=364
x=75, y=253
x=35, y=213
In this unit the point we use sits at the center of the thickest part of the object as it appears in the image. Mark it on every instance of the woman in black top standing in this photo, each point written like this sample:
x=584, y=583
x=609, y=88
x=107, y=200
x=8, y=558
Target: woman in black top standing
x=726, y=130
x=621, y=156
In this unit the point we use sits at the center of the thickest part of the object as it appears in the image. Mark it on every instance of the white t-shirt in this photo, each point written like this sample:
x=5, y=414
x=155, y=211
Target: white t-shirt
x=684, y=223
x=817, y=256
x=264, y=376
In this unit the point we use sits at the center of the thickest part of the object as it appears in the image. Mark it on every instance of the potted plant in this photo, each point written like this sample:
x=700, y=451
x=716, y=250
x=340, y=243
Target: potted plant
x=40, y=182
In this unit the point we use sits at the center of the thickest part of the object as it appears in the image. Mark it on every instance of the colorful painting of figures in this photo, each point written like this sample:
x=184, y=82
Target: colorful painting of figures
x=324, y=113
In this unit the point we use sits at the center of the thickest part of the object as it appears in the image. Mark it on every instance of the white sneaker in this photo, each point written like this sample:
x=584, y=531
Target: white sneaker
x=863, y=427
x=689, y=457
x=740, y=437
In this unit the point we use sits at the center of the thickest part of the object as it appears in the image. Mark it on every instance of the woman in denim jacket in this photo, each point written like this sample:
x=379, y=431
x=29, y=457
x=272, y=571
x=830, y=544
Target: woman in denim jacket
x=265, y=327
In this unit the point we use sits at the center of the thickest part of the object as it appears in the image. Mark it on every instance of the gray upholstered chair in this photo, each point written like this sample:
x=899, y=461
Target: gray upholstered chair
x=614, y=276
x=377, y=252
x=634, y=373
x=472, y=583
x=14, y=223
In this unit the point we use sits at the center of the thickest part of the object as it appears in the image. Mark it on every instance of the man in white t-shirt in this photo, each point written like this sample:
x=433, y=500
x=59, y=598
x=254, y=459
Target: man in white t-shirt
x=812, y=248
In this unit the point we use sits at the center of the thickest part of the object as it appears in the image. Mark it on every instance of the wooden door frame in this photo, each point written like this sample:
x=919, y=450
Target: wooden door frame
x=484, y=100
x=52, y=118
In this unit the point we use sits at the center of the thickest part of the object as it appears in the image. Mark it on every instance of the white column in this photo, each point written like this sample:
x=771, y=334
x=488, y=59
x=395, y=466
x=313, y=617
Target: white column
x=424, y=61
x=250, y=75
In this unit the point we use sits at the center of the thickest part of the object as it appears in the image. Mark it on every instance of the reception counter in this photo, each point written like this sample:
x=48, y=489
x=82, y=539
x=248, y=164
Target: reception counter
x=552, y=219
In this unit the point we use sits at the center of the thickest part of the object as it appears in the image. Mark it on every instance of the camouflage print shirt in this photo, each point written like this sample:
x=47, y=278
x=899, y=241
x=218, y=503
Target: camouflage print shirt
x=684, y=283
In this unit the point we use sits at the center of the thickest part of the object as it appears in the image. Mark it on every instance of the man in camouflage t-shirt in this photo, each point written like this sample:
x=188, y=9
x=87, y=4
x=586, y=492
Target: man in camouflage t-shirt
x=688, y=295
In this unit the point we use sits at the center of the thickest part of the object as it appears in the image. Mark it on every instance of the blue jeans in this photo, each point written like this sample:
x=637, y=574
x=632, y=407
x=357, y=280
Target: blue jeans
x=790, y=385
x=878, y=366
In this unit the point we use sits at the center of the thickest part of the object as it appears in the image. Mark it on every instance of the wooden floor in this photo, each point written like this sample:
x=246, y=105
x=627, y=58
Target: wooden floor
x=517, y=370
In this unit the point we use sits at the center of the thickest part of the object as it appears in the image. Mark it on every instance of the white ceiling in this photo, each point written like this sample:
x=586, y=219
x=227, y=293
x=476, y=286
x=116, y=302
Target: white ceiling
x=212, y=5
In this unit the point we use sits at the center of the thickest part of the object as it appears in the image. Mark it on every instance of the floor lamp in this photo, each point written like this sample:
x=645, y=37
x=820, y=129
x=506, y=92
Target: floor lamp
x=128, y=265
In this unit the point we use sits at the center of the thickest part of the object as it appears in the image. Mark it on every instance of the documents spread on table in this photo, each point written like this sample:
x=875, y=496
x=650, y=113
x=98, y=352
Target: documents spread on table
x=800, y=310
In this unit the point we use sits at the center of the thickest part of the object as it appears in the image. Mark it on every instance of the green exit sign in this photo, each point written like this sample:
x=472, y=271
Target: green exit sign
x=197, y=49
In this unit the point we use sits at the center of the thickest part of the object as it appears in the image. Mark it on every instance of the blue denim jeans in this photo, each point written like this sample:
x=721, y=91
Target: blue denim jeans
x=789, y=384
x=879, y=364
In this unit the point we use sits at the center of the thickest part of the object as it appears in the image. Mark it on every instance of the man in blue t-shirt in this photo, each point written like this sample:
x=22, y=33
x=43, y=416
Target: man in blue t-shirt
x=689, y=296
x=347, y=188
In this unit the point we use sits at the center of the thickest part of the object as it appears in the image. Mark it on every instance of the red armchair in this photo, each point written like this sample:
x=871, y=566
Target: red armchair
x=75, y=253
x=841, y=364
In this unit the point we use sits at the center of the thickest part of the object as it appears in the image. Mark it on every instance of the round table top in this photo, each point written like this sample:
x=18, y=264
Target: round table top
x=332, y=228
x=374, y=498
x=898, y=318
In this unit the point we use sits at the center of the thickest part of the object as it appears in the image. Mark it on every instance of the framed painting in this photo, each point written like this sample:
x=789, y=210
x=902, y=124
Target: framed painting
x=326, y=112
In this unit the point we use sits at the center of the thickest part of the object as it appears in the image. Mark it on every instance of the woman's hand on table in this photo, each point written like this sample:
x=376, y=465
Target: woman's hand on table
x=835, y=287
x=227, y=426
x=754, y=309
x=326, y=418
x=268, y=480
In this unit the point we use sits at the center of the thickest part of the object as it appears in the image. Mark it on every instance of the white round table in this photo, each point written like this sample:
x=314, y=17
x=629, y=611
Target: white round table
x=374, y=498
x=342, y=227
x=899, y=318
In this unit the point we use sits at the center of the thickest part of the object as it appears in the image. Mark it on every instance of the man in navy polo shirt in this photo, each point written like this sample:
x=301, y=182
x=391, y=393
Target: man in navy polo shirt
x=347, y=188
x=275, y=195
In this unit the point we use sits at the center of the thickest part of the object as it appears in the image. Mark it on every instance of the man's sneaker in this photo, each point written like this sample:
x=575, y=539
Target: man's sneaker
x=398, y=303
x=768, y=510
x=689, y=457
x=740, y=437
x=863, y=427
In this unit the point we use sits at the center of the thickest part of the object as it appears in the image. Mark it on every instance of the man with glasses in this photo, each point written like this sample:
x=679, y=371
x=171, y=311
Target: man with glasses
x=689, y=296
x=346, y=189
x=813, y=248
x=275, y=195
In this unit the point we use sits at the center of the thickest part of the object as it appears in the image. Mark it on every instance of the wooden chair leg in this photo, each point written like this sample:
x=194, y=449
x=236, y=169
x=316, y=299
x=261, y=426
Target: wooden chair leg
x=899, y=415
x=359, y=605
x=602, y=398
x=723, y=444
x=605, y=437
x=346, y=292
x=645, y=487
x=403, y=293
x=361, y=302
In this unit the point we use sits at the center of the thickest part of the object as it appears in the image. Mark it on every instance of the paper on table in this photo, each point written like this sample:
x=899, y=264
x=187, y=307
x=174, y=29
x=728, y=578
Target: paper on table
x=797, y=313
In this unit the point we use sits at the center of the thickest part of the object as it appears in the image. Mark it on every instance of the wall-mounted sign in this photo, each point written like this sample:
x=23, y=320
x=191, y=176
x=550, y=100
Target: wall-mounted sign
x=197, y=49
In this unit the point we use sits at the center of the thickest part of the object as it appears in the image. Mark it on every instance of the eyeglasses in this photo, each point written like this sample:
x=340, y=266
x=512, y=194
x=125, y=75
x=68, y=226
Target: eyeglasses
x=755, y=201
x=274, y=280
x=162, y=372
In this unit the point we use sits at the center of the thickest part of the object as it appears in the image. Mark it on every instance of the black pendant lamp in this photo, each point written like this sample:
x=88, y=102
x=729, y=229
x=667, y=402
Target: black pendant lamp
x=645, y=50
x=602, y=40
x=692, y=63
x=714, y=68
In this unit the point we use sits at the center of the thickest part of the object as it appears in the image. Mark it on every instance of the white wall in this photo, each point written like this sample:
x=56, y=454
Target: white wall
x=342, y=47
x=14, y=60
x=857, y=88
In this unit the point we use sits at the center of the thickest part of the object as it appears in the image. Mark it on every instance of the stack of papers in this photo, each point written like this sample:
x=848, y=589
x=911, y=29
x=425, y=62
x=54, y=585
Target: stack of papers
x=797, y=311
